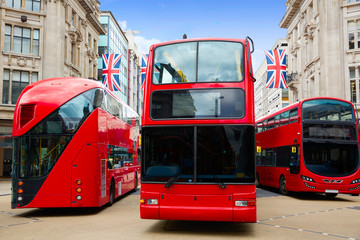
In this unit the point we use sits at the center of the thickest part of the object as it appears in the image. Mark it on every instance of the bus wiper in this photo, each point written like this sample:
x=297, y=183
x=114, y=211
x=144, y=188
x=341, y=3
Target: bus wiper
x=172, y=179
x=221, y=183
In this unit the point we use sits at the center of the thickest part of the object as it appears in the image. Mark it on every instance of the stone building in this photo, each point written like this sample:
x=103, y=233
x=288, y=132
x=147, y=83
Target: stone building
x=42, y=39
x=135, y=91
x=323, y=48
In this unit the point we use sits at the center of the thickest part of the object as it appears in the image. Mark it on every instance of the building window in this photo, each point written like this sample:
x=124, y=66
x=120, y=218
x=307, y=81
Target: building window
x=72, y=53
x=34, y=77
x=352, y=84
x=102, y=50
x=72, y=18
x=13, y=3
x=6, y=81
x=22, y=38
x=18, y=80
x=35, y=46
x=7, y=47
x=32, y=5
x=354, y=34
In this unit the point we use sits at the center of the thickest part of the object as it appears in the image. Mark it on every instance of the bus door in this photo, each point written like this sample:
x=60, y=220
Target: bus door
x=292, y=172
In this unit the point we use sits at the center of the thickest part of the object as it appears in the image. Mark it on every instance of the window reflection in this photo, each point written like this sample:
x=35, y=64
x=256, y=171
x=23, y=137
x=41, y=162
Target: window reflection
x=220, y=62
x=327, y=110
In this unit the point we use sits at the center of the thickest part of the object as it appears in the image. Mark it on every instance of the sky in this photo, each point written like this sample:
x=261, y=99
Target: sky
x=167, y=20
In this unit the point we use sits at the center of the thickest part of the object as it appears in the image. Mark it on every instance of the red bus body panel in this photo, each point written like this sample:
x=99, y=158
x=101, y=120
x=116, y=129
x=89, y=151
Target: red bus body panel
x=81, y=159
x=198, y=202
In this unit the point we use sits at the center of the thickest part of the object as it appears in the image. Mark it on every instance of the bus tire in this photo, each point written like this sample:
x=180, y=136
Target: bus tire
x=257, y=180
x=112, y=193
x=282, y=186
x=136, y=182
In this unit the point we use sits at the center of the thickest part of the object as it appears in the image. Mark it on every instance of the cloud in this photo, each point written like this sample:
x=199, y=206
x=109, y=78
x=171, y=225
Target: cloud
x=144, y=44
x=123, y=25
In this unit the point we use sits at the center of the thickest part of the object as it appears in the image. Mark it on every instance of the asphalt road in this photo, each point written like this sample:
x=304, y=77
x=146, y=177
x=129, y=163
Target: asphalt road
x=301, y=216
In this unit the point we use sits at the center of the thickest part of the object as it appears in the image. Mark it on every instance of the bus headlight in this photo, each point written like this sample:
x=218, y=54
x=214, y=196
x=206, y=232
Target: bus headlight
x=78, y=197
x=355, y=181
x=305, y=178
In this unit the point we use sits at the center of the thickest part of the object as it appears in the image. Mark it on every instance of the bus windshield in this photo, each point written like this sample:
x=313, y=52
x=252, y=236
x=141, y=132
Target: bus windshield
x=206, y=154
x=205, y=61
x=39, y=149
x=327, y=110
x=331, y=159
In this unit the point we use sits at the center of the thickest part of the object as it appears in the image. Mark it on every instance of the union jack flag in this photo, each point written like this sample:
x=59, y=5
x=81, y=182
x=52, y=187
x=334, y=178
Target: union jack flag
x=111, y=71
x=143, y=68
x=276, y=68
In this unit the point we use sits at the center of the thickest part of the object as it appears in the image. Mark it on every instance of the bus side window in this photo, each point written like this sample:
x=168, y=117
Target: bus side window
x=259, y=127
x=271, y=123
x=284, y=118
x=269, y=158
x=294, y=116
x=277, y=121
x=265, y=125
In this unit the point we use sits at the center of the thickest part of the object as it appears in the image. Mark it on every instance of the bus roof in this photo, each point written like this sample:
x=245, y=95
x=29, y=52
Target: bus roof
x=297, y=104
x=49, y=94
x=197, y=40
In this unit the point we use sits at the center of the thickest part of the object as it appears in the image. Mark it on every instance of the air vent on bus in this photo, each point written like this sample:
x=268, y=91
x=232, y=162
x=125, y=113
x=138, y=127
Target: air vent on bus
x=27, y=113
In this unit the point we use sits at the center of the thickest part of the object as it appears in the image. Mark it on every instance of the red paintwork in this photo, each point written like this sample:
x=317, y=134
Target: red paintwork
x=212, y=203
x=287, y=135
x=82, y=157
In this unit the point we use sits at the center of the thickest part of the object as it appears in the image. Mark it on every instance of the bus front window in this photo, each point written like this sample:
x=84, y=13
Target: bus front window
x=203, y=154
x=37, y=151
x=175, y=63
x=204, y=61
x=332, y=160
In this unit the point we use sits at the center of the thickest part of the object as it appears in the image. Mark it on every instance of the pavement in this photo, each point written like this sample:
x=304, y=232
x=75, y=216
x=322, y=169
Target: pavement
x=299, y=217
x=5, y=186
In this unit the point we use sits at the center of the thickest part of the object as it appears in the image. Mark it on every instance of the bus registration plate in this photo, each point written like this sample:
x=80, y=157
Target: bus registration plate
x=331, y=191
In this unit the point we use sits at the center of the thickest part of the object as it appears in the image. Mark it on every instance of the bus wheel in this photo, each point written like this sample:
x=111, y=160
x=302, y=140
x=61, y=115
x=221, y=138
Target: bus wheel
x=112, y=193
x=282, y=186
x=136, y=183
x=331, y=195
x=257, y=180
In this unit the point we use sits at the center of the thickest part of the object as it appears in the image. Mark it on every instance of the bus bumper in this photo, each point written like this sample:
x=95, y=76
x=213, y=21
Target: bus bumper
x=331, y=188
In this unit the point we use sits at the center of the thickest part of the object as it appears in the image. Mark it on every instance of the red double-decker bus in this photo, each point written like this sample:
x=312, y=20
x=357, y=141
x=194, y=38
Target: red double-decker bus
x=75, y=145
x=198, y=149
x=310, y=146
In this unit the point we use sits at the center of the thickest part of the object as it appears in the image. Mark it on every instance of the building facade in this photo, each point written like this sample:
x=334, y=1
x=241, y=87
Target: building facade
x=135, y=88
x=269, y=100
x=323, y=48
x=42, y=39
x=114, y=41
